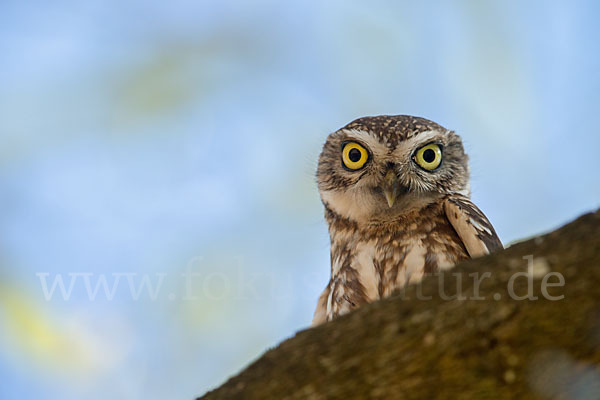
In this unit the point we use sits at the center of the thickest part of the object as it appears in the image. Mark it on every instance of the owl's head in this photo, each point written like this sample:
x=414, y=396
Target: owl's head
x=378, y=168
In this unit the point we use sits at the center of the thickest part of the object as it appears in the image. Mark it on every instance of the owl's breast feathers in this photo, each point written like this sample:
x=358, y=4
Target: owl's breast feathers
x=370, y=262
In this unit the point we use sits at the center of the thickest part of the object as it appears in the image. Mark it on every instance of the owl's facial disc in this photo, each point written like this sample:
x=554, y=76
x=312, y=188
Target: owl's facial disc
x=372, y=176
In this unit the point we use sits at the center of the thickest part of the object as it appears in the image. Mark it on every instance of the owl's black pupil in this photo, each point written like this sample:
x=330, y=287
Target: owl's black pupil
x=354, y=155
x=429, y=155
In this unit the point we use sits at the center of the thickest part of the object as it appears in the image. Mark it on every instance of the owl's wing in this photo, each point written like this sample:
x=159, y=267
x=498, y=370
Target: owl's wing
x=473, y=227
x=321, y=311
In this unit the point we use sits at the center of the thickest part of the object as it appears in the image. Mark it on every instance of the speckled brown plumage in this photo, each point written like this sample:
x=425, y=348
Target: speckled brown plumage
x=428, y=229
x=430, y=223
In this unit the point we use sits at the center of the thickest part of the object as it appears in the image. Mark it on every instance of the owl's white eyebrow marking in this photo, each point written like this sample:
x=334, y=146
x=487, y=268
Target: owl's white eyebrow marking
x=425, y=136
x=372, y=142
x=405, y=148
x=377, y=146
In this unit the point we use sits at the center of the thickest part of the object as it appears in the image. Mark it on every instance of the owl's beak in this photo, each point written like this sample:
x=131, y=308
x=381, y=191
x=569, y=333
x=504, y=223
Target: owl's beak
x=390, y=187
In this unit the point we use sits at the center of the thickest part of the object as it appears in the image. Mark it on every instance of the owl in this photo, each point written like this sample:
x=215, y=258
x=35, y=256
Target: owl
x=396, y=196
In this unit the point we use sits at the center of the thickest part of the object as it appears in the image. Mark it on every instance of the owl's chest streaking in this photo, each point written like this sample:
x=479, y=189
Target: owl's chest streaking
x=368, y=263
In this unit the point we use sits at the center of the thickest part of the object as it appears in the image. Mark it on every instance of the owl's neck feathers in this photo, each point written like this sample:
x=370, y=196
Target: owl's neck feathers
x=339, y=223
x=364, y=213
x=334, y=218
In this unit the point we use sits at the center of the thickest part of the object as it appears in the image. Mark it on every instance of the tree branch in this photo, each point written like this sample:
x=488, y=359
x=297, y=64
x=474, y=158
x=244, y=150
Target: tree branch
x=406, y=347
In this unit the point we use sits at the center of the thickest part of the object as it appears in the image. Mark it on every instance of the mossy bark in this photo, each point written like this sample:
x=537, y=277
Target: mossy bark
x=487, y=346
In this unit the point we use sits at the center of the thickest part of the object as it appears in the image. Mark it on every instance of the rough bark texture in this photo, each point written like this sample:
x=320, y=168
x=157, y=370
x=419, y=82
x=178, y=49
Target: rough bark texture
x=406, y=347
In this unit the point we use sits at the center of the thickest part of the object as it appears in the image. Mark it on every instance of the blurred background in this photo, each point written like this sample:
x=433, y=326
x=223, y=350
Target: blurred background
x=160, y=225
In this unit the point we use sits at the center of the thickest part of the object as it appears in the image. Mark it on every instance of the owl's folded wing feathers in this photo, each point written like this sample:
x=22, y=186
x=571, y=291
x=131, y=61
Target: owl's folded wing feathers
x=320, y=315
x=472, y=226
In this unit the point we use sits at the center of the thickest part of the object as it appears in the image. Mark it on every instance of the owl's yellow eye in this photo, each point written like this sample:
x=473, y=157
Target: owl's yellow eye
x=429, y=157
x=354, y=156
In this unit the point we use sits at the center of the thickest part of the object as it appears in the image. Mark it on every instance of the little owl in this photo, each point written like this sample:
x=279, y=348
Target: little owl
x=396, y=196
